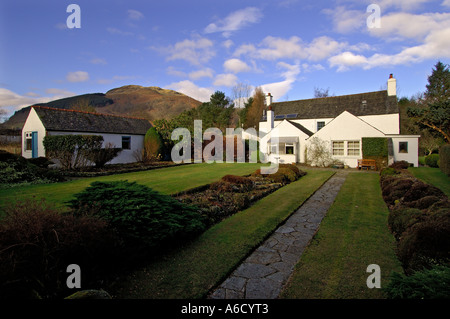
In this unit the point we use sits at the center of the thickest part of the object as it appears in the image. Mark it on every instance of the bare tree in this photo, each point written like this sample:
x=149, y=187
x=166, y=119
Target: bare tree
x=321, y=92
x=240, y=93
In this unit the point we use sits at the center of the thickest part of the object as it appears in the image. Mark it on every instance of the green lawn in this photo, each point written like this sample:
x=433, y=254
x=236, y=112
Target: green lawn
x=433, y=176
x=166, y=180
x=353, y=235
x=195, y=268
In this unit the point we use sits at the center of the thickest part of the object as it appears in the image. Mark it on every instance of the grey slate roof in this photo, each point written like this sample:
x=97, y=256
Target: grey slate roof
x=376, y=103
x=301, y=128
x=55, y=119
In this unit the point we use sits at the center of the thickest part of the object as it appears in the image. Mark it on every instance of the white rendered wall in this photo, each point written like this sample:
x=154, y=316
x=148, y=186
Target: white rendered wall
x=387, y=123
x=413, y=148
x=346, y=127
x=125, y=156
x=33, y=124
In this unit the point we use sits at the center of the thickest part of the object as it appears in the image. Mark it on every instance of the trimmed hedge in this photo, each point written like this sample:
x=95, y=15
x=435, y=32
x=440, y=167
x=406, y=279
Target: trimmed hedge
x=376, y=148
x=444, y=163
x=432, y=160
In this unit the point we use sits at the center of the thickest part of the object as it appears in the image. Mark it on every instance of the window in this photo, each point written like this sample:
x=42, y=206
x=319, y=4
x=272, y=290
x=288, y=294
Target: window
x=403, y=147
x=28, y=141
x=320, y=125
x=353, y=148
x=126, y=142
x=273, y=149
x=338, y=148
x=289, y=148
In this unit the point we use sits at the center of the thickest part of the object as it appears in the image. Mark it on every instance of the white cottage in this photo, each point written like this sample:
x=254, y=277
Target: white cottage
x=339, y=121
x=124, y=132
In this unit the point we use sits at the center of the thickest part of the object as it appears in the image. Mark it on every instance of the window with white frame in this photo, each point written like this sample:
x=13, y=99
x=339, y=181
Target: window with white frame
x=338, y=147
x=353, y=148
x=289, y=149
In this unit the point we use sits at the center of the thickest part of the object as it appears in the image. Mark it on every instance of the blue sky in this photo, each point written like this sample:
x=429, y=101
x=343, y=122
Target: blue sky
x=286, y=47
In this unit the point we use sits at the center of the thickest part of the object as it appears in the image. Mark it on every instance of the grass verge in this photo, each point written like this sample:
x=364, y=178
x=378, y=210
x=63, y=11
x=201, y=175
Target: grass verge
x=353, y=235
x=198, y=266
x=165, y=180
x=433, y=176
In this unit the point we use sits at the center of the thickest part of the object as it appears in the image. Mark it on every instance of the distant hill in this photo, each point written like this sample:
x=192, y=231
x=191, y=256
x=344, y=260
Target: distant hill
x=131, y=100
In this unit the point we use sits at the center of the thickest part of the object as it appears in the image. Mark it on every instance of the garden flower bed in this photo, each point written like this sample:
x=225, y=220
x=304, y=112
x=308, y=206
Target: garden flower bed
x=233, y=193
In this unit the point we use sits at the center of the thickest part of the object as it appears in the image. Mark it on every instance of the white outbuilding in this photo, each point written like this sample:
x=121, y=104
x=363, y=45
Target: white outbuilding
x=123, y=132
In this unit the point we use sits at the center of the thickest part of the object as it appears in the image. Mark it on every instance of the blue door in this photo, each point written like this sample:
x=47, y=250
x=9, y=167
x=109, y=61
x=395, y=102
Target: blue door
x=34, y=144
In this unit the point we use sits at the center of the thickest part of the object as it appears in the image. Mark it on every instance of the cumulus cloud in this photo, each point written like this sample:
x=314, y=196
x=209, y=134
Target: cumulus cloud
x=275, y=48
x=191, y=89
x=346, y=20
x=196, y=51
x=235, y=21
x=226, y=79
x=77, y=76
x=236, y=66
x=436, y=46
x=279, y=89
x=402, y=25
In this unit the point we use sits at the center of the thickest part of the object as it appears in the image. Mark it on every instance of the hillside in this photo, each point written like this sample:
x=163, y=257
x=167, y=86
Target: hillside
x=131, y=100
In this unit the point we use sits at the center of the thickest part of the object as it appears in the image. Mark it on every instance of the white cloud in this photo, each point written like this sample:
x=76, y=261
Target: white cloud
x=227, y=43
x=401, y=25
x=135, y=15
x=279, y=89
x=191, y=89
x=446, y=3
x=345, y=20
x=347, y=59
x=77, y=76
x=235, y=21
x=11, y=101
x=275, y=48
x=195, y=51
x=226, y=79
x=436, y=46
x=236, y=66
x=195, y=75
x=322, y=47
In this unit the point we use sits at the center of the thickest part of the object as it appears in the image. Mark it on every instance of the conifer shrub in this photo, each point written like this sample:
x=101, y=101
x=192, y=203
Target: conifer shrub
x=143, y=218
x=426, y=243
x=431, y=283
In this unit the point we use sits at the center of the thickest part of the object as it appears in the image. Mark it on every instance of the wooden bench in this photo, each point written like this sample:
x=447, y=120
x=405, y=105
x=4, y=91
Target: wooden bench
x=367, y=164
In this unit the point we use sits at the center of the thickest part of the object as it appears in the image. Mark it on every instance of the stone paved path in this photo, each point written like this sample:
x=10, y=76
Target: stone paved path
x=264, y=273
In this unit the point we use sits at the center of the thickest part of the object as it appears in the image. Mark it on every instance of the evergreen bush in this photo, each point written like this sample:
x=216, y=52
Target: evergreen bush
x=432, y=160
x=143, y=218
x=431, y=283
